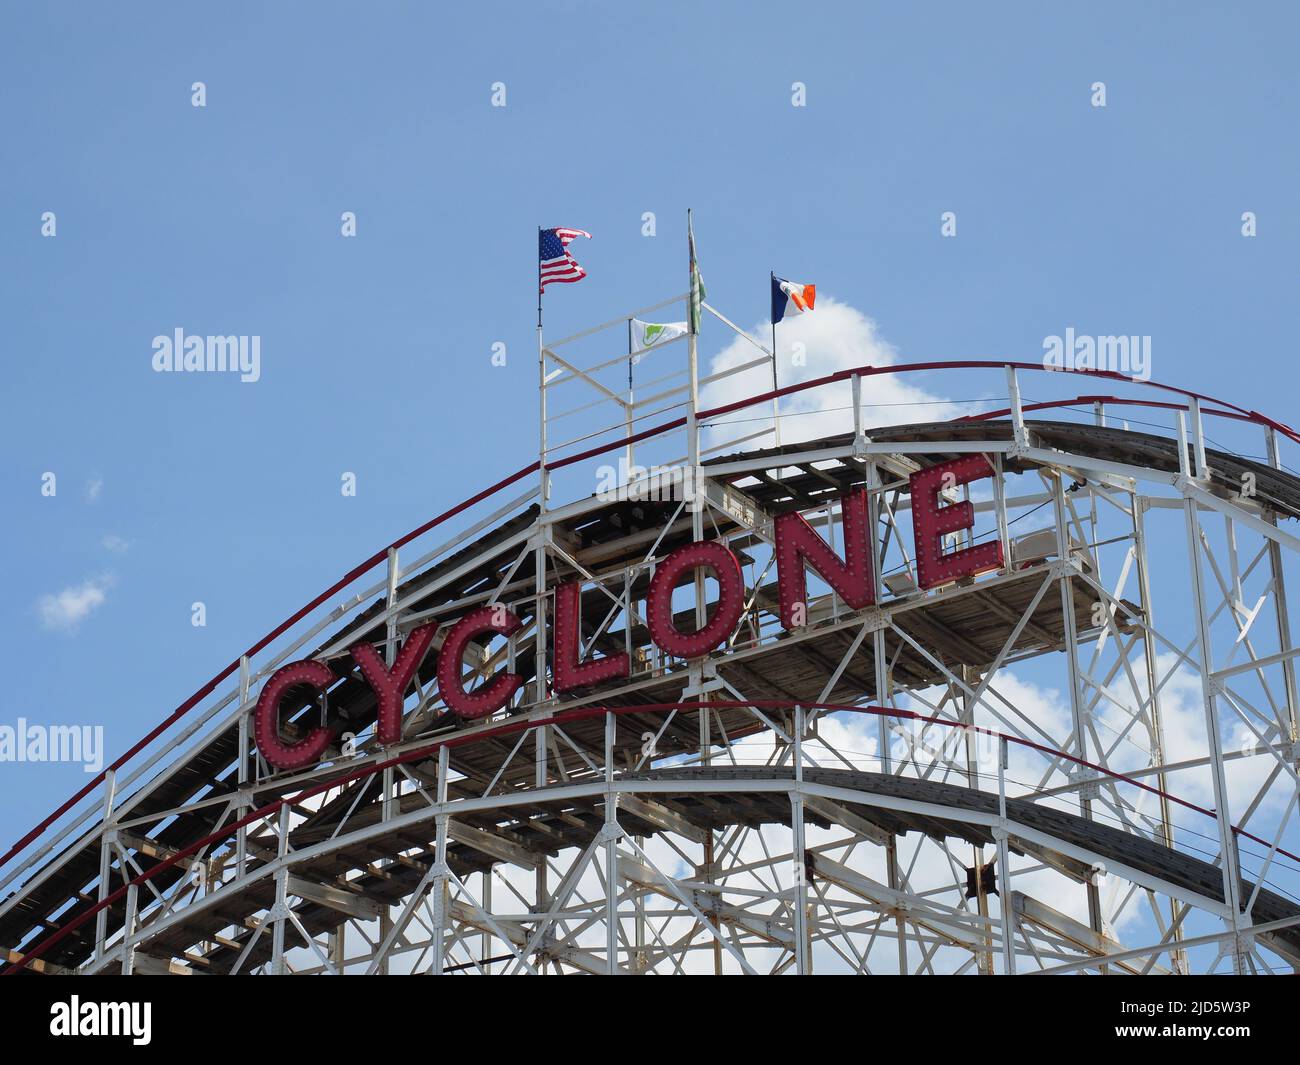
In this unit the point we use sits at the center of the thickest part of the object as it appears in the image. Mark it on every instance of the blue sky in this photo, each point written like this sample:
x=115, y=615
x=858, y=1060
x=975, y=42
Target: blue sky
x=375, y=350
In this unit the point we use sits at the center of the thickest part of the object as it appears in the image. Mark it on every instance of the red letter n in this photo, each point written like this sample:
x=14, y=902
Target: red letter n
x=797, y=544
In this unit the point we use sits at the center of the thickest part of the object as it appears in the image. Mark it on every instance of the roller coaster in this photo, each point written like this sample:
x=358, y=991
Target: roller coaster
x=1079, y=755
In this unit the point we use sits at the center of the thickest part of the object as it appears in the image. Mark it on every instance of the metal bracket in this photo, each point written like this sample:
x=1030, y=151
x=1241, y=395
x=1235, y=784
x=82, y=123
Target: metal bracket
x=1064, y=567
x=1086, y=781
x=874, y=619
x=709, y=682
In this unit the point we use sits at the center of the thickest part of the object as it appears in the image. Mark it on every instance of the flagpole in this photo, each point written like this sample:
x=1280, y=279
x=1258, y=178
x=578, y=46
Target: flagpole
x=692, y=422
x=693, y=444
x=627, y=412
x=541, y=383
x=772, y=275
x=540, y=689
x=776, y=421
x=695, y=672
x=692, y=324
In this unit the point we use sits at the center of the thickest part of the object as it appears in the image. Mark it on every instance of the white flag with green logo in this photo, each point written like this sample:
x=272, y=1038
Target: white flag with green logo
x=648, y=334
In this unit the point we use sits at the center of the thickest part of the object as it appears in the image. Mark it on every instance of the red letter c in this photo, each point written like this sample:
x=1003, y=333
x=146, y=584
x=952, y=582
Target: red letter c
x=266, y=718
x=451, y=659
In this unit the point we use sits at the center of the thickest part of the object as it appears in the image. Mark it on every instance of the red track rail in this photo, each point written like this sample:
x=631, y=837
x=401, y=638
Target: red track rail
x=1233, y=411
x=1111, y=401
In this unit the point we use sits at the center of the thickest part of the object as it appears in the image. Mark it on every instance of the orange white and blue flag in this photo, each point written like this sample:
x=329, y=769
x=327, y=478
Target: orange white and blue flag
x=790, y=297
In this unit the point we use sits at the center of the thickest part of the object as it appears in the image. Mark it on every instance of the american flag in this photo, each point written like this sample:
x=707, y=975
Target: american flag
x=556, y=264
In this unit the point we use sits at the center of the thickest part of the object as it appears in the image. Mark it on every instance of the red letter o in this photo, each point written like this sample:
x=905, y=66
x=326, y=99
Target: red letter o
x=731, y=599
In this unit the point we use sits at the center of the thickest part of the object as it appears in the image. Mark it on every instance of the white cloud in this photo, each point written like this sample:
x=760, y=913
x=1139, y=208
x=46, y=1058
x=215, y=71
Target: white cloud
x=63, y=611
x=117, y=544
x=834, y=337
x=93, y=487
